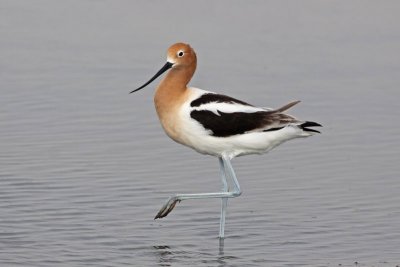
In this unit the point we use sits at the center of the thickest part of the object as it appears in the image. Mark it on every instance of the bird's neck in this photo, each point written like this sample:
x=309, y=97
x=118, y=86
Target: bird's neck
x=171, y=90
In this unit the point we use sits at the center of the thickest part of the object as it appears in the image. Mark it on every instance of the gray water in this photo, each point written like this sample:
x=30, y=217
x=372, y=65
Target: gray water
x=84, y=166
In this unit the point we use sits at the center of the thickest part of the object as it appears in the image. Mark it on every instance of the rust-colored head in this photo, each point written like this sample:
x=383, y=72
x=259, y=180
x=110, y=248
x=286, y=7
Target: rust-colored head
x=179, y=56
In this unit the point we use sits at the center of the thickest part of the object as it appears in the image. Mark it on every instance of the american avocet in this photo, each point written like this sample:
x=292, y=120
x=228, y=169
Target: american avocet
x=216, y=125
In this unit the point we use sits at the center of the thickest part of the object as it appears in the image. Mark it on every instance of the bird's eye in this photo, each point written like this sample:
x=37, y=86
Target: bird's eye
x=180, y=54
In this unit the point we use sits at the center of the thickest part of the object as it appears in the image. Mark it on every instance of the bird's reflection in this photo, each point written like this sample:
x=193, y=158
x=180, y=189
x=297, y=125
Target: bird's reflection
x=167, y=256
x=221, y=246
x=164, y=255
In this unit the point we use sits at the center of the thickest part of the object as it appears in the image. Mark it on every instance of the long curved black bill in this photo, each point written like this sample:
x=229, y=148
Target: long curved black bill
x=166, y=67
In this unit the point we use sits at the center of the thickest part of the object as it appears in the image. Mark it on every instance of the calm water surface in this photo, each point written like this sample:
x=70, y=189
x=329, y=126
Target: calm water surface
x=84, y=166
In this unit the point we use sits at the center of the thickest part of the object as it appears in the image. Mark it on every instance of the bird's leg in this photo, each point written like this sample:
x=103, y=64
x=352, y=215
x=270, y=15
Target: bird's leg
x=172, y=201
x=228, y=166
x=227, y=169
x=224, y=201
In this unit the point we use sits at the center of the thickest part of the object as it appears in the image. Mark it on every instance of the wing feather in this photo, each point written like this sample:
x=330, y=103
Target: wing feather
x=223, y=124
x=226, y=116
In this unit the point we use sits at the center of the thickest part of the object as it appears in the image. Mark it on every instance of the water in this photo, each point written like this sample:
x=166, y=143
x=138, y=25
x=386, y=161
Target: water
x=84, y=166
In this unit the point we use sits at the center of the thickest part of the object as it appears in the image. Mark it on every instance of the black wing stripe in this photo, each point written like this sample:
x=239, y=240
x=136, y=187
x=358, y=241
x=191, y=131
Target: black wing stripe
x=209, y=98
x=228, y=124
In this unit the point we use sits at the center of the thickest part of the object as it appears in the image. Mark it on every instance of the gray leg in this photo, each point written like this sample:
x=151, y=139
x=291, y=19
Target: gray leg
x=226, y=170
x=224, y=201
x=228, y=166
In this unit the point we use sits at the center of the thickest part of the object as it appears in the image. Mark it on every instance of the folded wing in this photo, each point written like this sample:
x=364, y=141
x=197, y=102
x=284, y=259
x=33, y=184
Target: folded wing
x=225, y=116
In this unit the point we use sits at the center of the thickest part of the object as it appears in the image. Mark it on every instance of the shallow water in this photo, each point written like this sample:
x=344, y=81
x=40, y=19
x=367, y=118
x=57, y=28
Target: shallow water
x=84, y=166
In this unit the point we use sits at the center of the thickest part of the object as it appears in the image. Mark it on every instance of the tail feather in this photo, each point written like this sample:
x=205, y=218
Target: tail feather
x=286, y=107
x=304, y=126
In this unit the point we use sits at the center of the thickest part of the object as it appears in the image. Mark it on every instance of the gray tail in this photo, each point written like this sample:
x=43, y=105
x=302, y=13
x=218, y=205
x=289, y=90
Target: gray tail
x=304, y=126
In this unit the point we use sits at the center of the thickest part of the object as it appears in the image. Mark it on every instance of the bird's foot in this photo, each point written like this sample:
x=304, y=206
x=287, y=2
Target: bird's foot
x=167, y=207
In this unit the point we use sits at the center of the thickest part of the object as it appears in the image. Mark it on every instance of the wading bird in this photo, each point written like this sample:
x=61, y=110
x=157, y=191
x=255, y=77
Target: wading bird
x=216, y=125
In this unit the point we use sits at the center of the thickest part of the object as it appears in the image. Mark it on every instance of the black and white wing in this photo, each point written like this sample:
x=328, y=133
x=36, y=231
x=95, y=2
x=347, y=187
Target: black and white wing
x=225, y=116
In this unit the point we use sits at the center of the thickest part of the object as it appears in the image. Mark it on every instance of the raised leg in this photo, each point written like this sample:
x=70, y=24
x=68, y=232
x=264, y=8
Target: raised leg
x=226, y=170
x=228, y=167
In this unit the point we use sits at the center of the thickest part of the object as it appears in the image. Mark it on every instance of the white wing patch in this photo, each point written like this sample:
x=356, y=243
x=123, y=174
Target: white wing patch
x=222, y=106
x=227, y=108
